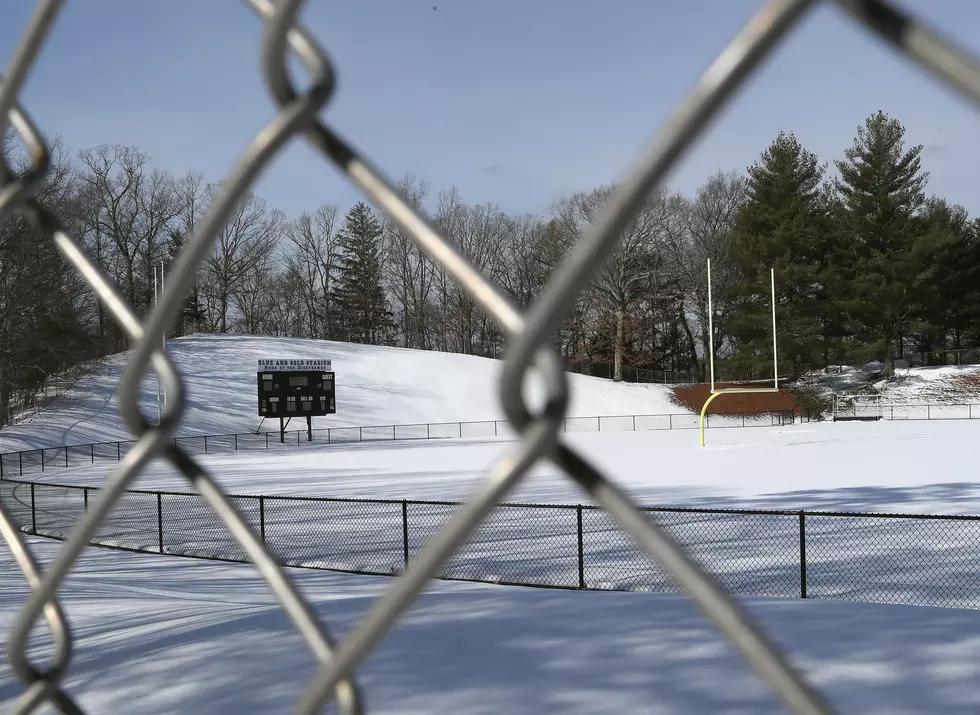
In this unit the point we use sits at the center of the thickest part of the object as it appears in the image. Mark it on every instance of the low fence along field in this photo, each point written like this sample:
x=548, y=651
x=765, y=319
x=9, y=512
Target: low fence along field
x=37, y=461
x=918, y=560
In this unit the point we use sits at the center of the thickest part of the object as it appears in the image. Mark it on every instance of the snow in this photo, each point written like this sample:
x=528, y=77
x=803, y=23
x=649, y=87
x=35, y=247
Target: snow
x=162, y=635
x=375, y=386
x=940, y=384
x=890, y=467
x=950, y=384
x=900, y=466
x=159, y=633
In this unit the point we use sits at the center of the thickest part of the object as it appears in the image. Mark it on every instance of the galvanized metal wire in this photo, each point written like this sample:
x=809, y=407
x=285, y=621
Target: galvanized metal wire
x=528, y=346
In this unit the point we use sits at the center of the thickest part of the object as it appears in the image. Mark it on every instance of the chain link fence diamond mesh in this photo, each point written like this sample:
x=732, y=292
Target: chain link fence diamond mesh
x=527, y=335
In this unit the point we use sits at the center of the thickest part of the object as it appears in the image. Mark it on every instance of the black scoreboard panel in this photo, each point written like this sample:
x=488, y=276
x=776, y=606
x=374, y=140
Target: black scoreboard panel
x=296, y=393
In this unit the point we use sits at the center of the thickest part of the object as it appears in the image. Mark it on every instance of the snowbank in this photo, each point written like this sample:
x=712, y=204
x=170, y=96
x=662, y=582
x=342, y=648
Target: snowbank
x=944, y=384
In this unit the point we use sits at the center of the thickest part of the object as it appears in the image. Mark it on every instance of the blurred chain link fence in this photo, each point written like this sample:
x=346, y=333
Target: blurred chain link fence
x=528, y=338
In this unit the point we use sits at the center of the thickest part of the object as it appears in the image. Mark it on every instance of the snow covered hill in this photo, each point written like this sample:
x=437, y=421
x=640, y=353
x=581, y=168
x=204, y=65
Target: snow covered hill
x=375, y=386
x=947, y=384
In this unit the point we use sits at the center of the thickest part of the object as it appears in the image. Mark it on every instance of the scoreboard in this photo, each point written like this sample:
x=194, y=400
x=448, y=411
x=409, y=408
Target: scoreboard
x=295, y=388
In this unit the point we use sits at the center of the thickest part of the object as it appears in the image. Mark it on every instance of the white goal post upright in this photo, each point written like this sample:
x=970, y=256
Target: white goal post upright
x=711, y=332
x=775, y=370
x=161, y=389
x=711, y=353
x=164, y=339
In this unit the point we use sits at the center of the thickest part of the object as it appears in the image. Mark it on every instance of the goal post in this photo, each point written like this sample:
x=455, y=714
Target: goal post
x=711, y=354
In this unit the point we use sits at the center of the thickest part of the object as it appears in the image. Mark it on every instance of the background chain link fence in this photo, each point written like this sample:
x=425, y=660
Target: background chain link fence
x=49, y=459
x=921, y=560
x=527, y=336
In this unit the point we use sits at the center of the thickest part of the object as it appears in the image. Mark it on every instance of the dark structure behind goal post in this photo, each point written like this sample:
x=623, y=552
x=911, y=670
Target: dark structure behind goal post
x=295, y=388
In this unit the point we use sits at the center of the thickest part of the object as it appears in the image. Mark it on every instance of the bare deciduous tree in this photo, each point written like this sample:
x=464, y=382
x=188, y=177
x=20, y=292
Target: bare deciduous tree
x=313, y=259
x=630, y=274
x=479, y=234
x=134, y=207
x=243, y=243
x=699, y=229
x=409, y=273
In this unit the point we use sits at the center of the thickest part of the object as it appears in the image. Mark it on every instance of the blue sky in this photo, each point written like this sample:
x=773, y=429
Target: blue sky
x=516, y=102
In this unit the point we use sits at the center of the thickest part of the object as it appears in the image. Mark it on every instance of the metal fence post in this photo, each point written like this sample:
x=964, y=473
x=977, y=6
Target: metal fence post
x=267, y=440
x=581, y=549
x=160, y=521
x=92, y=446
x=66, y=457
x=85, y=497
x=928, y=412
x=42, y=459
x=118, y=452
x=20, y=462
x=670, y=421
x=802, y=554
x=262, y=517
x=634, y=423
x=236, y=442
x=405, y=531
x=360, y=434
x=205, y=444
x=297, y=438
x=33, y=512
x=428, y=432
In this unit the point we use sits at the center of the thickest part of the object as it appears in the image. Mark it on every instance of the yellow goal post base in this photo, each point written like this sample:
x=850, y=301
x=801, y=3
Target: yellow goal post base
x=727, y=391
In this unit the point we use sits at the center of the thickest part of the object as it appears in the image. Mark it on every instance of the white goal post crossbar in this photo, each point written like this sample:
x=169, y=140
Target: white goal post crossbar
x=711, y=353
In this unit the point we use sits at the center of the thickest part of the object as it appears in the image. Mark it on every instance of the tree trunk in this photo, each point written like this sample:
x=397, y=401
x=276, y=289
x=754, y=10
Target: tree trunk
x=692, y=347
x=4, y=404
x=618, y=348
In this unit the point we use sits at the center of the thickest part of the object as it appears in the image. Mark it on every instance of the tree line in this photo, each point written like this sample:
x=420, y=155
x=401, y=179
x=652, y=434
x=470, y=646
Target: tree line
x=867, y=266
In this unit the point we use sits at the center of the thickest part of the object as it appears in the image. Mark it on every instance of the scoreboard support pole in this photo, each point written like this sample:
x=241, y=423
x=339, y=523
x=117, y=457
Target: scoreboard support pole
x=282, y=429
x=309, y=428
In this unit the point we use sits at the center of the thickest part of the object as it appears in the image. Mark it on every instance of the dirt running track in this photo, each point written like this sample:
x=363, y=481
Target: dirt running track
x=738, y=403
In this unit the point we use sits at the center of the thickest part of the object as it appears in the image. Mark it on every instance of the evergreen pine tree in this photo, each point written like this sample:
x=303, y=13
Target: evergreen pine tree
x=359, y=291
x=837, y=342
x=888, y=261
x=780, y=226
x=951, y=300
x=190, y=318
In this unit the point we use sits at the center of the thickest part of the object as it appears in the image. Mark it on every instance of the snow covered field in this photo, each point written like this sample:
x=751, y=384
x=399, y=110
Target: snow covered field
x=375, y=386
x=903, y=467
x=915, y=466
x=191, y=633
x=161, y=635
